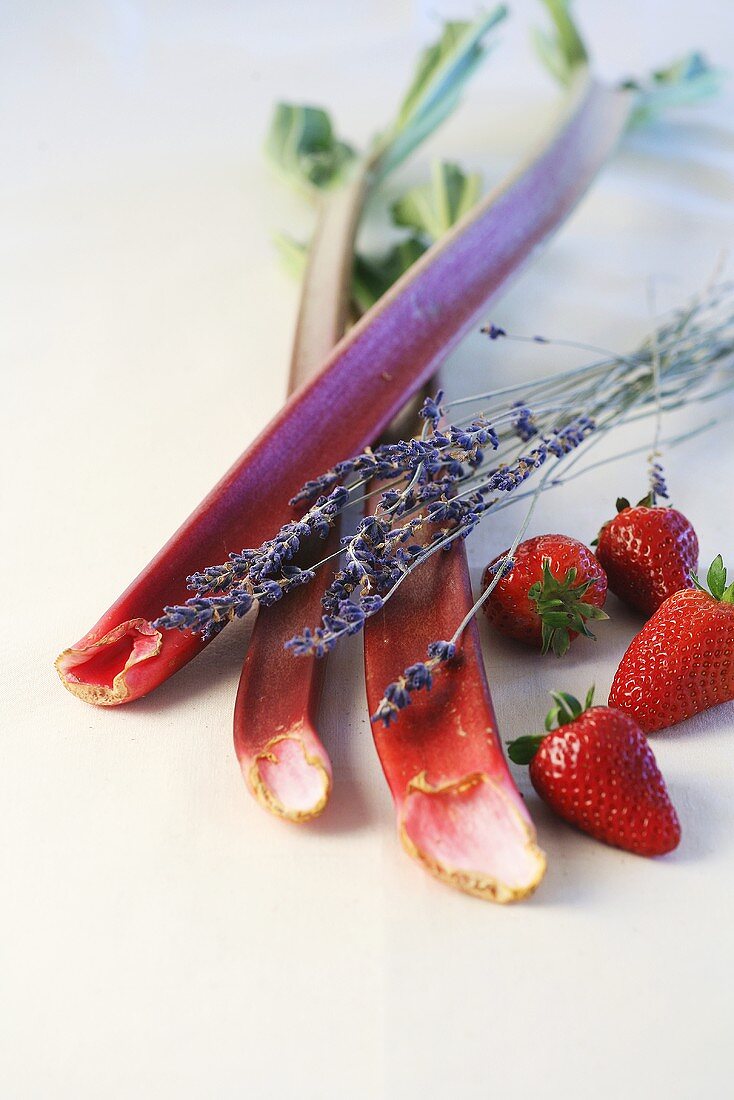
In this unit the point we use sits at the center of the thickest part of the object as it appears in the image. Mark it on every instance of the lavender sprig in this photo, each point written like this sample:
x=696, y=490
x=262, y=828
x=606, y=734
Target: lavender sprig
x=349, y=618
x=271, y=558
x=381, y=553
x=524, y=422
x=418, y=677
x=658, y=484
x=208, y=615
x=438, y=452
x=376, y=557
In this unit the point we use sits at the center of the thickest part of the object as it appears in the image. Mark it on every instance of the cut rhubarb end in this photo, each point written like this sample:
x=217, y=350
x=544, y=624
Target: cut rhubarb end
x=97, y=671
x=471, y=836
x=289, y=779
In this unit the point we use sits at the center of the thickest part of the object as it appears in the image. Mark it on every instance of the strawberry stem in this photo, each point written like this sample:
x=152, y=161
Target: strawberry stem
x=567, y=709
x=561, y=608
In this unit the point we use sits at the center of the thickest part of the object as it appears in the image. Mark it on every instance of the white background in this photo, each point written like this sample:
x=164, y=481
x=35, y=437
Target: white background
x=161, y=936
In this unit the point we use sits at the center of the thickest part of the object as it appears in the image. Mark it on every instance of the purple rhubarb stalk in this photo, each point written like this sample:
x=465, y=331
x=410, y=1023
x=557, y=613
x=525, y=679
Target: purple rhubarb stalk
x=283, y=761
x=458, y=810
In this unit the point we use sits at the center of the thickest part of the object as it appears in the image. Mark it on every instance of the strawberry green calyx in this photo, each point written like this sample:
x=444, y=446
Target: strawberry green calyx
x=523, y=749
x=716, y=581
x=622, y=504
x=561, y=608
x=567, y=709
x=648, y=501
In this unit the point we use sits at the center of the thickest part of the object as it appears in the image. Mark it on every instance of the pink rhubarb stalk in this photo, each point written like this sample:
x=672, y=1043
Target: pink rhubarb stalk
x=458, y=810
x=384, y=359
x=275, y=735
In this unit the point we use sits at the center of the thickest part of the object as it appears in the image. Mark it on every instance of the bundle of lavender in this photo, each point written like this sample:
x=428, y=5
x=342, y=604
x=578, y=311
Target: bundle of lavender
x=435, y=489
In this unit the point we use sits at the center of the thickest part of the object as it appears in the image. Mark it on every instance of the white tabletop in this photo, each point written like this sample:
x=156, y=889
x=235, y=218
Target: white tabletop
x=160, y=935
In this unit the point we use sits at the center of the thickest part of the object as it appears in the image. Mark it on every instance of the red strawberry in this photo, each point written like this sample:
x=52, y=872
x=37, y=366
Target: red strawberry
x=682, y=661
x=546, y=593
x=648, y=554
x=597, y=771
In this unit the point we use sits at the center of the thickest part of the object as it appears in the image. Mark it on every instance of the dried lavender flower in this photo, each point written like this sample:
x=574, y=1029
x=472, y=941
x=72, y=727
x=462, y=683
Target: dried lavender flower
x=658, y=485
x=417, y=677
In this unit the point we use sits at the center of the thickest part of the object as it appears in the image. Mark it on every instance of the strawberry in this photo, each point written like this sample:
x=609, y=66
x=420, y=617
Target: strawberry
x=648, y=553
x=682, y=661
x=546, y=593
x=597, y=771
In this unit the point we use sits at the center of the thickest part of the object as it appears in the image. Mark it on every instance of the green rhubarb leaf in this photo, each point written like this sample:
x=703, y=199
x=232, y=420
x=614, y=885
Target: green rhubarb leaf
x=689, y=80
x=373, y=275
x=449, y=195
x=434, y=207
x=435, y=91
x=293, y=254
x=302, y=146
x=562, y=51
x=304, y=149
x=429, y=210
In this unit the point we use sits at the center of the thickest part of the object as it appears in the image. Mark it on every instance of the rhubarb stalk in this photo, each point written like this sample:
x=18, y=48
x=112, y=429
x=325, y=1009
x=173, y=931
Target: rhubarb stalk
x=283, y=761
x=383, y=360
x=458, y=810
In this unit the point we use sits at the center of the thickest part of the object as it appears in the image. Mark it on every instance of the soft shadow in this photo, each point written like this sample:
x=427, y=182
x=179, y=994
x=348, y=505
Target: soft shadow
x=670, y=166
x=221, y=659
x=704, y=832
x=570, y=876
x=716, y=720
x=704, y=133
x=669, y=137
x=347, y=811
x=344, y=727
x=503, y=656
